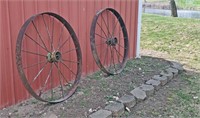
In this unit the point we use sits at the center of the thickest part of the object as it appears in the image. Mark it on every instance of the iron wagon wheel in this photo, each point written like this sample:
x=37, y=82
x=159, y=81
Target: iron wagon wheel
x=109, y=41
x=48, y=57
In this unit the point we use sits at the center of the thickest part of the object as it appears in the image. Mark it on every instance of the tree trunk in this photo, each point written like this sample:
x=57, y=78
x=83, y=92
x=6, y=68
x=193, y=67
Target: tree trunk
x=173, y=8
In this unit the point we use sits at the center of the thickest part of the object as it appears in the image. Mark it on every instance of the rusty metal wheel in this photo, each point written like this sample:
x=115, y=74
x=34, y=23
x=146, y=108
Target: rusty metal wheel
x=48, y=57
x=109, y=41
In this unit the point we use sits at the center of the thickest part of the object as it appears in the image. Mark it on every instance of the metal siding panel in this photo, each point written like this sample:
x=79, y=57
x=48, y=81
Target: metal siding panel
x=42, y=6
x=98, y=6
x=2, y=13
x=1, y=68
x=73, y=6
x=90, y=11
x=127, y=22
x=82, y=33
x=13, y=6
x=53, y=6
x=4, y=26
x=132, y=36
x=30, y=8
x=78, y=13
x=7, y=91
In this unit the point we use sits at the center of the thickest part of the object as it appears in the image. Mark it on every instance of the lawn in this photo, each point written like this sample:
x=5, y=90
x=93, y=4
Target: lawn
x=180, y=39
x=182, y=4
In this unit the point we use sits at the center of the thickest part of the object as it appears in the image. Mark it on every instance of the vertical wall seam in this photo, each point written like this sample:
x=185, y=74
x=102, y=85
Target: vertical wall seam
x=1, y=54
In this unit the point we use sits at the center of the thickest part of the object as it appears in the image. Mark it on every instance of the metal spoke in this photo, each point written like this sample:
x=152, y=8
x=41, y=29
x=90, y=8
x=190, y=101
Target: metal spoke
x=100, y=44
x=100, y=36
x=122, y=38
x=112, y=53
x=39, y=72
x=106, y=24
x=69, y=51
x=45, y=83
x=70, y=61
x=117, y=51
x=36, y=42
x=52, y=47
x=51, y=82
x=121, y=46
x=61, y=33
x=61, y=72
x=34, y=53
x=105, y=54
x=47, y=29
x=110, y=57
x=102, y=52
x=32, y=65
x=115, y=26
x=68, y=67
x=119, y=40
x=117, y=55
x=44, y=38
x=39, y=35
x=102, y=29
x=61, y=83
x=64, y=43
x=109, y=25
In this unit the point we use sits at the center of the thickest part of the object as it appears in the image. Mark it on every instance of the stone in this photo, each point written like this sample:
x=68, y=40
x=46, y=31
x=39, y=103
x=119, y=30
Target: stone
x=149, y=89
x=162, y=79
x=169, y=75
x=128, y=101
x=116, y=108
x=139, y=94
x=155, y=83
x=50, y=115
x=101, y=114
x=172, y=70
x=178, y=66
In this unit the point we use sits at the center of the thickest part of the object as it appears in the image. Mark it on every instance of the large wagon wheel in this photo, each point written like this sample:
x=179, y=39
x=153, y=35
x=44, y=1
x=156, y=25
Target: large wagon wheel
x=48, y=57
x=109, y=41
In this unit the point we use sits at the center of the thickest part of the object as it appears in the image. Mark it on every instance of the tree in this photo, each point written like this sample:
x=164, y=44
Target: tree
x=173, y=8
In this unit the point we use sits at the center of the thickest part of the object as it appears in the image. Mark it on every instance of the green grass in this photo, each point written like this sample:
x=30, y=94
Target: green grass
x=188, y=4
x=182, y=4
x=186, y=101
x=178, y=37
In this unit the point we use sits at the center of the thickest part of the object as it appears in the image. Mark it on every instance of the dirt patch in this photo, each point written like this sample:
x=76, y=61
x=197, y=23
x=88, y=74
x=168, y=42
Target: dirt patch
x=95, y=91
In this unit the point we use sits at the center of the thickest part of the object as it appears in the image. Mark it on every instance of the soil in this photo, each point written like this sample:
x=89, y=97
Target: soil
x=96, y=91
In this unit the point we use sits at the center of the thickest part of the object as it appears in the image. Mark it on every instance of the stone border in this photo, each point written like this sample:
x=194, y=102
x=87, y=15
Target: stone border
x=139, y=94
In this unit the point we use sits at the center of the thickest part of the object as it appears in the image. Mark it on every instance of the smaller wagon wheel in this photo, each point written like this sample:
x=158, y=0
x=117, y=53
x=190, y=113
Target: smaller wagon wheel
x=109, y=41
x=48, y=57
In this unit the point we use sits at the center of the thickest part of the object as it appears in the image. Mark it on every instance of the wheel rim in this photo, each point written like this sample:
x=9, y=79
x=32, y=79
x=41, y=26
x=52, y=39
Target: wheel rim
x=48, y=54
x=109, y=41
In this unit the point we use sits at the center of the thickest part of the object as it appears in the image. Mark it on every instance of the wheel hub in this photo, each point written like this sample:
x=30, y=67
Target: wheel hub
x=54, y=56
x=112, y=41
